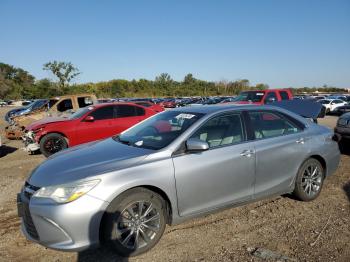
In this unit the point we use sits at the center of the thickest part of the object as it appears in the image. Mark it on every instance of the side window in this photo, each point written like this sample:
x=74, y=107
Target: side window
x=221, y=130
x=139, y=111
x=84, y=101
x=103, y=113
x=65, y=105
x=284, y=95
x=270, y=97
x=125, y=111
x=269, y=124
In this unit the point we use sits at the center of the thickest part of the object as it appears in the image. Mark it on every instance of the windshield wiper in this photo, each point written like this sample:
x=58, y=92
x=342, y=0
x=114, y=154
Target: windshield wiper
x=125, y=142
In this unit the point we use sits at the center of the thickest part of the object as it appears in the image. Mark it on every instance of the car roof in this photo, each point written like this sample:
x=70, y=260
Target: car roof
x=115, y=103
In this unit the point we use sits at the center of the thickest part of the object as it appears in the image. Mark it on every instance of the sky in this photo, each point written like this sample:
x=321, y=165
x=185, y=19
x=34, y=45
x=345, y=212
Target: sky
x=281, y=43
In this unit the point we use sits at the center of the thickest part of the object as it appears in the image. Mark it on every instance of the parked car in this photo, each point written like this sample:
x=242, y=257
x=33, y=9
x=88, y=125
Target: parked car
x=331, y=104
x=343, y=126
x=36, y=104
x=262, y=97
x=3, y=103
x=174, y=166
x=168, y=103
x=53, y=134
x=155, y=107
x=342, y=110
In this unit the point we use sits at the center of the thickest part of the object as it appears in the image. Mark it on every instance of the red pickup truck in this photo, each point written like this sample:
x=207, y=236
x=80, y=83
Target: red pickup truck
x=262, y=97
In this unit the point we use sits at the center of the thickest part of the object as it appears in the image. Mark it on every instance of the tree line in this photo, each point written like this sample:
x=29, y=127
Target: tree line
x=16, y=83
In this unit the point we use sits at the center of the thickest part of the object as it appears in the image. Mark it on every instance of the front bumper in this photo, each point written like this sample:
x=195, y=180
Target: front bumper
x=30, y=144
x=72, y=226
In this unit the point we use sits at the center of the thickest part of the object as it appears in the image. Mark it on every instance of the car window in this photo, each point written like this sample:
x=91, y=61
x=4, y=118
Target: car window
x=338, y=101
x=103, y=113
x=65, y=105
x=270, y=96
x=269, y=124
x=84, y=101
x=221, y=130
x=284, y=95
x=125, y=111
x=139, y=111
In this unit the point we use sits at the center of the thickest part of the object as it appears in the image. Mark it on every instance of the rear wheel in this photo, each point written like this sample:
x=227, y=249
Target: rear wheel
x=135, y=221
x=52, y=143
x=309, y=180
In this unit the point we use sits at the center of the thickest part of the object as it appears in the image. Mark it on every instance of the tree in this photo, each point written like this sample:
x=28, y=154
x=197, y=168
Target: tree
x=64, y=71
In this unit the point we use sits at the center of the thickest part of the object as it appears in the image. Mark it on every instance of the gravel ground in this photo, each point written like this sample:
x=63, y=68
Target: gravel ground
x=314, y=231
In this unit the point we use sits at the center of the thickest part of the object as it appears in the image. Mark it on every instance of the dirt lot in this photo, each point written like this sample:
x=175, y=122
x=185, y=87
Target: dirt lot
x=314, y=231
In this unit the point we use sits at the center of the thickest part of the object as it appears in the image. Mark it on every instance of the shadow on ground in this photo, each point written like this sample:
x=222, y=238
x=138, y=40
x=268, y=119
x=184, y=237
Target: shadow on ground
x=344, y=146
x=100, y=254
x=5, y=150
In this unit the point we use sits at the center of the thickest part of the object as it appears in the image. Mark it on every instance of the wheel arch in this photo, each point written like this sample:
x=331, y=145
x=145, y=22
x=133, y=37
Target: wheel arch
x=54, y=132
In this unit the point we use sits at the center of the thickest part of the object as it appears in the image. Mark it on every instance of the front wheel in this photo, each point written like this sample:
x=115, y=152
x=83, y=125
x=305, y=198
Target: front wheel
x=52, y=143
x=309, y=180
x=135, y=221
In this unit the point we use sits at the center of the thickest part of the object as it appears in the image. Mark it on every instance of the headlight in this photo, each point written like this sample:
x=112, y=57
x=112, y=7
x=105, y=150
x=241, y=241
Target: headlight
x=67, y=192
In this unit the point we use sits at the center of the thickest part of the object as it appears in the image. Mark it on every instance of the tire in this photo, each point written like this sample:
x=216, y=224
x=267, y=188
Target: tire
x=328, y=111
x=309, y=182
x=52, y=143
x=118, y=225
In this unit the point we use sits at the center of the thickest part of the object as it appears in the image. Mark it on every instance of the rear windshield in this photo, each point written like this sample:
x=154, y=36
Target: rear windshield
x=250, y=96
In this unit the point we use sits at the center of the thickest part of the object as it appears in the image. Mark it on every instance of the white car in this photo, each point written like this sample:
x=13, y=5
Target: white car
x=331, y=104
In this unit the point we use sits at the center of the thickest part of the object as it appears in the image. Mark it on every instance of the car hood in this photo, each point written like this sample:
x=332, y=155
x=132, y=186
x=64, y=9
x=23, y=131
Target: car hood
x=345, y=116
x=45, y=121
x=85, y=161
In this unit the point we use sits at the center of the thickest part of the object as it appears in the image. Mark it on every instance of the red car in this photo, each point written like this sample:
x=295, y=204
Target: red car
x=100, y=121
x=150, y=105
x=262, y=97
x=168, y=103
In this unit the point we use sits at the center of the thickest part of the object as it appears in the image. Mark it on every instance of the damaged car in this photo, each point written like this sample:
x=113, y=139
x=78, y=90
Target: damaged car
x=53, y=134
x=176, y=165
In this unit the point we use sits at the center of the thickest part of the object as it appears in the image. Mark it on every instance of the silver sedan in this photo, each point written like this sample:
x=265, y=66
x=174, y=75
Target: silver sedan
x=176, y=165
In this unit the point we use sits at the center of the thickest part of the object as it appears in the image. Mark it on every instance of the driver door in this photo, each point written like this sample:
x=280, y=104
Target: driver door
x=101, y=127
x=220, y=176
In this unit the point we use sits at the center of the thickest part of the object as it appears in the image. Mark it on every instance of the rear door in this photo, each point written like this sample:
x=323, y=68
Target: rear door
x=280, y=148
x=100, y=128
x=126, y=116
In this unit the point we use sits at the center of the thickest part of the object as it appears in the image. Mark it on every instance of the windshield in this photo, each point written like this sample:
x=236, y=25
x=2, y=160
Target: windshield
x=80, y=112
x=250, y=96
x=159, y=131
x=37, y=104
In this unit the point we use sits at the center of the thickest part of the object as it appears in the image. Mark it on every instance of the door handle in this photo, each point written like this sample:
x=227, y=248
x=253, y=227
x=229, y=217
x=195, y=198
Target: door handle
x=300, y=141
x=247, y=153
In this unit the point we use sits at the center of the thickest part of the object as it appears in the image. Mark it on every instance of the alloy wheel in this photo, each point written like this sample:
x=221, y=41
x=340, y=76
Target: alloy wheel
x=137, y=225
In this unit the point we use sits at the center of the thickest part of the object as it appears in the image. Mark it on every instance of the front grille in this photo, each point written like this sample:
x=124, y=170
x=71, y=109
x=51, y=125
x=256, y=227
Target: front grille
x=28, y=192
x=28, y=222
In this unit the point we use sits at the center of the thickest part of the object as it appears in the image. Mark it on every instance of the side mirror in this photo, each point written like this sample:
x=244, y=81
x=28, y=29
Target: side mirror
x=89, y=119
x=196, y=145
